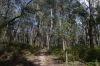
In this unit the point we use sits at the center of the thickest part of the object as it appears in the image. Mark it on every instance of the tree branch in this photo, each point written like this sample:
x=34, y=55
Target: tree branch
x=6, y=23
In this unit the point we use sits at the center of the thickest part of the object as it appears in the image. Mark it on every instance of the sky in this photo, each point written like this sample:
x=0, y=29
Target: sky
x=84, y=2
x=27, y=0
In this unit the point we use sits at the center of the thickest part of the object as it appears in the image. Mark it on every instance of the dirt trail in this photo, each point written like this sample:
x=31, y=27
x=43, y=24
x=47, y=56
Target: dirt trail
x=44, y=59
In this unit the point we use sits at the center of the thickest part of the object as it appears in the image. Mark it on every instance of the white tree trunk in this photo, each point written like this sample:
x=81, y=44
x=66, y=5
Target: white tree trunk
x=48, y=40
x=66, y=57
x=64, y=48
x=31, y=37
x=51, y=21
x=64, y=45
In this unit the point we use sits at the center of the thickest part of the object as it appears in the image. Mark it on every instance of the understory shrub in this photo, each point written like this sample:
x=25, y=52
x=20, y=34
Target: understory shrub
x=58, y=52
x=85, y=53
x=80, y=52
x=18, y=48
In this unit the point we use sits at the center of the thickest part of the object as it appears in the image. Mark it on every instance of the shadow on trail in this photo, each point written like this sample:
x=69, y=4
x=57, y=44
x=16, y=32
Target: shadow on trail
x=57, y=61
x=42, y=52
x=19, y=61
x=41, y=59
x=22, y=60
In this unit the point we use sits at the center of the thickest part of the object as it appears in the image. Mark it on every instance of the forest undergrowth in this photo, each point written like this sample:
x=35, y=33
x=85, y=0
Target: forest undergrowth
x=81, y=53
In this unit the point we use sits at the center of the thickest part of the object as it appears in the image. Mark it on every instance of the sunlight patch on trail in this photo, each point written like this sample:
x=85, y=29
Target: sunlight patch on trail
x=43, y=60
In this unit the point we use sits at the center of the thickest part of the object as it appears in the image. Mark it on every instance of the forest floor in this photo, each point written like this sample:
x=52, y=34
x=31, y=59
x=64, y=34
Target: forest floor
x=43, y=58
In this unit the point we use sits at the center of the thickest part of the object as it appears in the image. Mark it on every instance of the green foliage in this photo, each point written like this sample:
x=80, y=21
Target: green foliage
x=85, y=53
x=80, y=52
x=58, y=52
x=70, y=53
x=18, y=48
x=15, y=53
x=93, y=63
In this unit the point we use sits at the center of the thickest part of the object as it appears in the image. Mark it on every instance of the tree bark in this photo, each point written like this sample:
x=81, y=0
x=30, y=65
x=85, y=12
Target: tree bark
x=48, y=40
x=91, y=24
x=63, y=45
x=66, y=57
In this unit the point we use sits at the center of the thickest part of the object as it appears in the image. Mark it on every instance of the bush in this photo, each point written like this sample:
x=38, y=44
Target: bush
x=58, y=52
x=92, y=63
x=82, y=53
x=85, y=53
x=19, y=48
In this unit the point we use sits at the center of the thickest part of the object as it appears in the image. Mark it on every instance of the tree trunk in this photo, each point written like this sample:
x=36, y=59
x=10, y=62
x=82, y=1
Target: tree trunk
x=51, y=20
x=64, y=47
x=48, y=40
x=66, y=57
x=31, y=36
x=91, y=24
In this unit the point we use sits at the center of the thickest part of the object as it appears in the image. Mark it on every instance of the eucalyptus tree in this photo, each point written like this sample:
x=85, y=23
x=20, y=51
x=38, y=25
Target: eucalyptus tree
x=82, y=22
x=88, y=17
x=65, y=20
x=10, y=11
x=37, y=15
x=97, y=20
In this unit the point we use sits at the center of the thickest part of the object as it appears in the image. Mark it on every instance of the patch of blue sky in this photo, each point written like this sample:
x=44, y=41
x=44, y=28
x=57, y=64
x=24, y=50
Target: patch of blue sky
x=27, y=0
x=18, y=8
x=35, y=23
x=78, y=20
